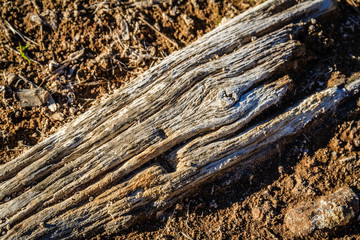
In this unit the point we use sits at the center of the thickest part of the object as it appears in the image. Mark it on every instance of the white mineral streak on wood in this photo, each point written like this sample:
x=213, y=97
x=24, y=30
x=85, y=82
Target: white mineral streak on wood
x=195, y=105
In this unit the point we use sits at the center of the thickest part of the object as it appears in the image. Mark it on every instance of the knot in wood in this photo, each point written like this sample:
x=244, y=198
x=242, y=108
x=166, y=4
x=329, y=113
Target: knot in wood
x=229, y=97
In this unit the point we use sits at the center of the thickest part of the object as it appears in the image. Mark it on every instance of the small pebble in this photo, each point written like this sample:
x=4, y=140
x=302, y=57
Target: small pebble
x=188, y=21
x=178, y=207
x=36, y=19
x=73, y=110
x=213, y=204
x=57, y=116
x=327, y=213
x=67, y=15
x=52, y=65
x=10, y=78
x=174, y=11
x=281, y=170
x=76, y=13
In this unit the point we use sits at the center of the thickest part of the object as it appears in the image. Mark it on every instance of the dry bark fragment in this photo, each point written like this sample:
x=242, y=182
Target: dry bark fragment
x=32, y=97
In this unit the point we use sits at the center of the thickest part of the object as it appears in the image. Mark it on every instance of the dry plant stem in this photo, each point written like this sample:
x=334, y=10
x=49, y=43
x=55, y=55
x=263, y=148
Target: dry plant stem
x=32, y=85
x=6, y=30
x=160, y=33
x=186, y=235
x=36, y=6
x=351, y=19
x=24, y=38
x=58, y=71
x=353, y=5
x=195, y=111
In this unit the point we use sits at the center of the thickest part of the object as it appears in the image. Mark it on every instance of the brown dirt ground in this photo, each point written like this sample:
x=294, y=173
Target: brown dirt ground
x=314, y=164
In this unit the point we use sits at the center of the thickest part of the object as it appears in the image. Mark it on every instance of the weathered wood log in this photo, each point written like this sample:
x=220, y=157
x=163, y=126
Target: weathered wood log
x=180, y=124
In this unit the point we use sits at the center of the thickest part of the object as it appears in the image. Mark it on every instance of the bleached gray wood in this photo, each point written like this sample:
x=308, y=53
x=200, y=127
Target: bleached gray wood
x=172, y=129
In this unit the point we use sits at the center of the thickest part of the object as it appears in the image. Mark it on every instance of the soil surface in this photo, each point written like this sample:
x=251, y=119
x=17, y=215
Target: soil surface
x=79, y=52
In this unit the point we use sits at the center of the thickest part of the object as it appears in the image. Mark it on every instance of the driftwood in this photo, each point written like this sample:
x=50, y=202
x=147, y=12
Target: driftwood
x=179, y=125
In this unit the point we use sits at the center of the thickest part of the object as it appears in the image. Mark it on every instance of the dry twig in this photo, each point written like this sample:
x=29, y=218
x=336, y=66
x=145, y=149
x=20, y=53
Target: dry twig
x=353, y=5
x=186, y=235
x=158, y=32
x=24, y=38
x=33, y=85
x=57, y=72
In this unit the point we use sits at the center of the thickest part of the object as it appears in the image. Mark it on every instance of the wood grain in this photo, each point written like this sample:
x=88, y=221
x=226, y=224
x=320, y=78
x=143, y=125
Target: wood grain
x=160, y=137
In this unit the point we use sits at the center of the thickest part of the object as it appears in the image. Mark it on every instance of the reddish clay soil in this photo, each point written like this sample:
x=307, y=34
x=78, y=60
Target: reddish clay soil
x=81, y=51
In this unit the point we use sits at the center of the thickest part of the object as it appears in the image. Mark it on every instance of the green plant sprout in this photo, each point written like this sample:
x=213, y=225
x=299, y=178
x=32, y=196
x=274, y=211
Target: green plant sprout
x=22, y=49
x=218, y=18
